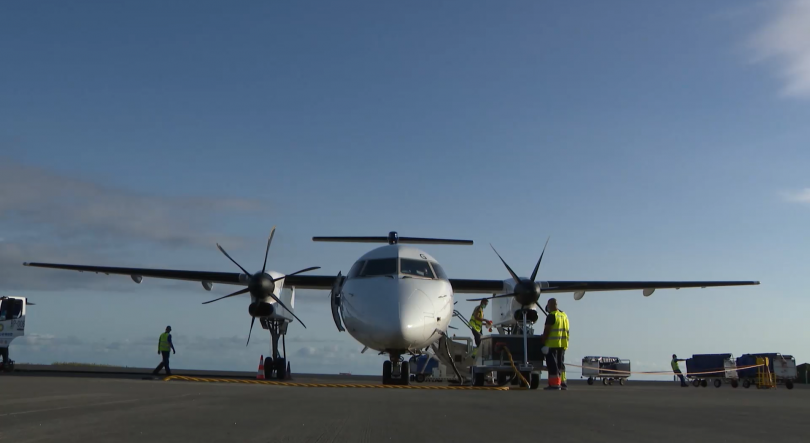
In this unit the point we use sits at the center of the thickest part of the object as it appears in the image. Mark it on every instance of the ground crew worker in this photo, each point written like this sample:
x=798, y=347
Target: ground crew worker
x=555, y=337
x=164, y=346
x=477, y=320
x=677, y=370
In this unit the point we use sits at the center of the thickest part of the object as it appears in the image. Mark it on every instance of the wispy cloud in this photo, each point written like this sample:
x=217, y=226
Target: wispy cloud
x=785, y=40
x=50, y=217
x=800, y=196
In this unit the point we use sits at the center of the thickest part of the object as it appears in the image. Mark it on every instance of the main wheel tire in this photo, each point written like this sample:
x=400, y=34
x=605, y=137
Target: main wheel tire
x=590, y=380
x=268, y=367
x=734, y=383
x=604, y=381
x=281, y=368
x=622, y=381
x=717, y=383
x=387, y=372
x=746, y=384
x=420, y=378
x=704, y=383
x=478, y=379
x=405, y=373
x=534, y=381
x=789, y=384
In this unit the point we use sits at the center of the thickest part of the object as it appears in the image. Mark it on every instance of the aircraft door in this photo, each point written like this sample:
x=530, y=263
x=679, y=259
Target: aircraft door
x=336, y=298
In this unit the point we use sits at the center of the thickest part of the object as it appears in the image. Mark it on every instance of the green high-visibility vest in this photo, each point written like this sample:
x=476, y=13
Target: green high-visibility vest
x=558, y=336
x=163, y=343
x=675, y=367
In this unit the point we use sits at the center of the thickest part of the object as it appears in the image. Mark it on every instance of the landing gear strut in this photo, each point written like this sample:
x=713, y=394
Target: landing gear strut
x=276, y=362
x=395, y=371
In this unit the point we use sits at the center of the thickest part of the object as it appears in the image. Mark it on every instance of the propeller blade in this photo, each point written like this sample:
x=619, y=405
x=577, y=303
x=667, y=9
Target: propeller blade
x=537, y=267
x=242, y=291
x=285, y=307
x=267, y=251
x=297, y=272
x=252, y=320
x=511, y=272
x=231, y=258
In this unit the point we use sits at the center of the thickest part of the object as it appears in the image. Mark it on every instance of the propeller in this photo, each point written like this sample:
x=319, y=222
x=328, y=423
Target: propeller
x=526, y=291
x=252, y=320
x=261, y=285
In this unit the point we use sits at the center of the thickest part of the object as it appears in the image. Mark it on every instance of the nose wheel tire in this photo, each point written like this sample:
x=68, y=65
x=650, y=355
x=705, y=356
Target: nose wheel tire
x=268, y=368
x=387, y=365
x=281, y=368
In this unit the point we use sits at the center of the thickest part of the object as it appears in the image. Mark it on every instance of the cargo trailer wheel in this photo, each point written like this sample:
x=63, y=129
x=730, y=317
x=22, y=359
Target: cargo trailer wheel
x=534, y=382
x=590, y=380
x=420, y=378
x=746, y=384
x=604, y=381
x=478, y=379
x=696, y=383
x=704, y=383
x=717, y=383
x=789, y=384
x=734, y=383
x=610, y=382
x=621, y=381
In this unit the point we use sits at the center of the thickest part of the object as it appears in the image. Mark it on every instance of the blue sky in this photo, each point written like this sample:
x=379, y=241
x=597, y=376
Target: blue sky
x=655, y=140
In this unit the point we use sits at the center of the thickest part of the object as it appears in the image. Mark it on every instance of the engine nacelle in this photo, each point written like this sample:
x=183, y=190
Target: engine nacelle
x=261, y=309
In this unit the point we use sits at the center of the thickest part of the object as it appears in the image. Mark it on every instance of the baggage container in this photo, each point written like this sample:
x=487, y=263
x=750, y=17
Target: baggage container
x=608, y=369
x=720, y=368
x=782, y=366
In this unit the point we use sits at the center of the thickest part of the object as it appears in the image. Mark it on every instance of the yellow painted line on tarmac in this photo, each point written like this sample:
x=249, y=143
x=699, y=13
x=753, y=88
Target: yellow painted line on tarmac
x=331, y=385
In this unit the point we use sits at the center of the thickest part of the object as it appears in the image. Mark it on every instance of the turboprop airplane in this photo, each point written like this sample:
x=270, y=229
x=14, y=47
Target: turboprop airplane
x=396, y=299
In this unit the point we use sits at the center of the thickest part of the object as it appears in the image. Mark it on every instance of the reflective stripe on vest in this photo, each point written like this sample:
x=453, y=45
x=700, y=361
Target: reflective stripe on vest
x=475, y=323
x=163, y=343
x=558, y=336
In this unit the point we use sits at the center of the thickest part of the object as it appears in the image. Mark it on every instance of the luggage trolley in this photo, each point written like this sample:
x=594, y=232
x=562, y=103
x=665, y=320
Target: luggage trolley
x=783, y=367
x=720, y=368
x=608, y=369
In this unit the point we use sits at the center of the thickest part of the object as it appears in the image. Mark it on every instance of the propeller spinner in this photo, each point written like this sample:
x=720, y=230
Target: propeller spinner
x=261, y=285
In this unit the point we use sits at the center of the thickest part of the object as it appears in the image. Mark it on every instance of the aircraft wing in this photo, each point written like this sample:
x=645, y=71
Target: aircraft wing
x=228, y=278
x=496, y=286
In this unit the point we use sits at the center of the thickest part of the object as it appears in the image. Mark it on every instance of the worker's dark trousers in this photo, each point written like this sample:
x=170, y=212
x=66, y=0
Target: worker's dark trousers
x=555, y=361
x=164, y=364
x=476, y=337
x=680, y=375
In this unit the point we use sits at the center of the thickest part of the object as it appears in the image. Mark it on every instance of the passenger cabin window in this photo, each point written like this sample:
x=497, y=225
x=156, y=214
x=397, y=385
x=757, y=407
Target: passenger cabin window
x=416, y=268
x=355, y=270
x=382, y=266
x=439, y=271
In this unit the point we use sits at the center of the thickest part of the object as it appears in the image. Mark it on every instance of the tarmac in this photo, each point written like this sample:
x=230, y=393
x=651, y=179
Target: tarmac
x=69, y=405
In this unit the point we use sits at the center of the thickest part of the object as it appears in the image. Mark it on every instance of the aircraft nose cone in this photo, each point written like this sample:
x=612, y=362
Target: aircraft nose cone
x=416, y=316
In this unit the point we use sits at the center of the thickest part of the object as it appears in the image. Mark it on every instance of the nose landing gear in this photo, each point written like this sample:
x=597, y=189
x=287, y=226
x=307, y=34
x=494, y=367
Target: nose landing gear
x=396, y=371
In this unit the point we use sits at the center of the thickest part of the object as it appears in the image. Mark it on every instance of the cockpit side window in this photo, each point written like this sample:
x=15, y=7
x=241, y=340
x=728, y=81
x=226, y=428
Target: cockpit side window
x=355, y=270
x=416, y=268
x=10, y=309
x=440, y=274
x=381, y=266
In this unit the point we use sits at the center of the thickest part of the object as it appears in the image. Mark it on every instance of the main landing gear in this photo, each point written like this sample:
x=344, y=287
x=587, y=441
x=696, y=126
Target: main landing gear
x=396, y=371
x=276, y=364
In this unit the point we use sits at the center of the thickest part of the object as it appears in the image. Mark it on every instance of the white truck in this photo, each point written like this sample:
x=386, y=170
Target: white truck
x=12, y=325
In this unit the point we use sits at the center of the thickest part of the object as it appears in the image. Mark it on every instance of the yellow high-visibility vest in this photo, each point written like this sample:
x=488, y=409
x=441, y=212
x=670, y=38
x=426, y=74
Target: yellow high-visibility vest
x=558, y=336
x=163, y=343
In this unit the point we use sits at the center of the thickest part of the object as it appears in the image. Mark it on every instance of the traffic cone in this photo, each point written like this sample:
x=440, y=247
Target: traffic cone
x=260, y=375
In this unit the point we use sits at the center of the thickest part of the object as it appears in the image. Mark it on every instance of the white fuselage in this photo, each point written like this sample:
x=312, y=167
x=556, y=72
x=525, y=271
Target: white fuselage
x=396, y=298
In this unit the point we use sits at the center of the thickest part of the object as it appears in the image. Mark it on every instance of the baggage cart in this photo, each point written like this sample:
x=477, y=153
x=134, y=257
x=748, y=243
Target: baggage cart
x=717, y=368
x=782, y=366
x=607, y=369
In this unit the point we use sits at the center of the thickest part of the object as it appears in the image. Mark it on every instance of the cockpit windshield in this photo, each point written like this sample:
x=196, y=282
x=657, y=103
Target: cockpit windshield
x=416, y=268
x=382, y=266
